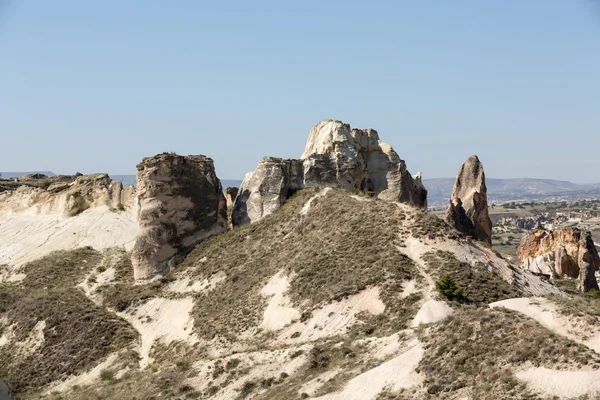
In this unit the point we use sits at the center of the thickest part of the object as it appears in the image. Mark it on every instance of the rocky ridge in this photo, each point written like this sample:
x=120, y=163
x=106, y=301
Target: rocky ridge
x=333, y=292
x=335, y=155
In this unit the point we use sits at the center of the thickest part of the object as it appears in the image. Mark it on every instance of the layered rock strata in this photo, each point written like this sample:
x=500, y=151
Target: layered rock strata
x=181, y=203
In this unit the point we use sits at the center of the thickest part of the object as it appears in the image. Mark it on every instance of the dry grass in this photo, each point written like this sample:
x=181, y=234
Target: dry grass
x=428, y=225
x=124, y=293
x=78, y=334
x=478, y=348
x=248, y=256
x=481, y=287
x=150, y=384
x=578, y=305
x=342, y=247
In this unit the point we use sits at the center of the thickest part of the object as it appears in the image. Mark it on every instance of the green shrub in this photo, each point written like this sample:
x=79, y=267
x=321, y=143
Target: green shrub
x=107, y=375
x=593, y=293
x=121, y=207
x=447, y=288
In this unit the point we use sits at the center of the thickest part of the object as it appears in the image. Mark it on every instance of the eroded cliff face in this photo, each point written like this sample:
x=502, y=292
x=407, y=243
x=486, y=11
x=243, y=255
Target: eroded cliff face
x=41, y=214
x=181, y=203
x=567, y=252
x=69, y=197
x=335, y=156
x=468, y=209
x=264, y=190
x=230, y=195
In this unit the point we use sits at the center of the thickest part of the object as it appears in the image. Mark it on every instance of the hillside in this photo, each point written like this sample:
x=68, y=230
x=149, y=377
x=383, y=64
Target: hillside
x=323, y=277
x=273, y=311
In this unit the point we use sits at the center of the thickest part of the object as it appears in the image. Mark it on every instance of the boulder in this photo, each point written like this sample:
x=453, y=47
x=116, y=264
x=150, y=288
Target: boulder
x=181, y=203
x=335, y=156
x=468, y=209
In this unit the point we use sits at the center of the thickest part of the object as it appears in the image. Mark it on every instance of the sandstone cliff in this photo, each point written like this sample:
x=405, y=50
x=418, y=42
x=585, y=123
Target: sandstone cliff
x=181, y=203
x=68, y=195
x=264, y=190
x=567, y=252
x=42, y=214
x=336, y=156
x=468, y=209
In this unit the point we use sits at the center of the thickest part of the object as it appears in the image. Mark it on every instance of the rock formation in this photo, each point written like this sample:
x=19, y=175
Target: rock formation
x=181, y=203
x=66, y=195
x=566, y=252
x=468, y=209
x=264, y=190
x=335, y=155
x=230, y=195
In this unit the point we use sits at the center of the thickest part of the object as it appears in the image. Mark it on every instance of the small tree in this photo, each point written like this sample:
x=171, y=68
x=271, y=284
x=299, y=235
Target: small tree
x=448, y=288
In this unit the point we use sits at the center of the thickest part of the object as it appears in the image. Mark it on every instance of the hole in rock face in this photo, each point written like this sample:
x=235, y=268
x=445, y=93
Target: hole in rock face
x=569, y=266
x=366, y=185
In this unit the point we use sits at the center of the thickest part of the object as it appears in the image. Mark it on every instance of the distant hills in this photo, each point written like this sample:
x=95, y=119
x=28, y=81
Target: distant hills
x=130, y=180
x=19, y=174
x=440, y=189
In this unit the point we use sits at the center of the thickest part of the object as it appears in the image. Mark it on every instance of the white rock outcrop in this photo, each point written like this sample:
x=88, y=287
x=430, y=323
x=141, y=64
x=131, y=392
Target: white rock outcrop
x=181, y=203
x=468, y=209
x=335, y=156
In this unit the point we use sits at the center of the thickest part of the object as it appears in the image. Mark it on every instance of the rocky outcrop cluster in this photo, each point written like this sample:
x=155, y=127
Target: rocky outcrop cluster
x=181, y=203
x=335, y=156
x=562, y=253
x=67, y=195
x=468, y=209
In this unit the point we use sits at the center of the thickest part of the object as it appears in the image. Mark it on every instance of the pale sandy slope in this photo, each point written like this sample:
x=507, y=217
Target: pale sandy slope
x=26, y=235
x=555, y=383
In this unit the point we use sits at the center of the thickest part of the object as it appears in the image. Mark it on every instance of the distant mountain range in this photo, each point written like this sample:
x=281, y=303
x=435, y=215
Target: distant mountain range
x=440, y=189
x=6, y=175
x=130, y=180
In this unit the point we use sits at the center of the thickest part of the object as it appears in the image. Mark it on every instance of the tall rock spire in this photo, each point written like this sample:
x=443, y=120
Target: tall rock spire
x=468, y=209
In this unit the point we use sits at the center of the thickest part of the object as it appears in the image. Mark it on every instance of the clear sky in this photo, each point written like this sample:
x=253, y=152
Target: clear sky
x=94, y=86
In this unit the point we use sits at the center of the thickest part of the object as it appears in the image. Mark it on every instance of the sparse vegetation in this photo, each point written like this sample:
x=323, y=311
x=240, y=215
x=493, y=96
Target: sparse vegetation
x=479, y=286
x=77, y=333
x=360, y=250
x=478, y=348
x=448, y=289
x=107, y=375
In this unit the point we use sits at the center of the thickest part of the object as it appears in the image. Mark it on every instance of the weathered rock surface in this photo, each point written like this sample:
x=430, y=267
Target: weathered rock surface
x=230, y=195
x=68, y=195
x=181, y=203
x=62, y=213
x=335, y=155
x=468, y=209
x=566, y=252
x=264, y=190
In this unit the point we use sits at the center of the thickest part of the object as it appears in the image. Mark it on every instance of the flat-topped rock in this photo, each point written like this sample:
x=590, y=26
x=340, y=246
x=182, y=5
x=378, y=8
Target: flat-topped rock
x=181, y=203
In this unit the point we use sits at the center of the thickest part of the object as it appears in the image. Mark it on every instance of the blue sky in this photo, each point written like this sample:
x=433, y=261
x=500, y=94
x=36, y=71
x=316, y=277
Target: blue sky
x=95, y=86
